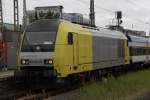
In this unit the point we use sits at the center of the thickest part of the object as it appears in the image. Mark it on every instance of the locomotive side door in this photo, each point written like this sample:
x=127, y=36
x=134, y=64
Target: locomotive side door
x=73, y=41
x=75, y=51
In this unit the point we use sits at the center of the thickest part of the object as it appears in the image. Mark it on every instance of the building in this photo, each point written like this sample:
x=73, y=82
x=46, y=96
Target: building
x=76, y=17
x=8, y=27
x=12, y=39
x=135, y=32
x=67, y=16
x=127, y=31
x=73, y=17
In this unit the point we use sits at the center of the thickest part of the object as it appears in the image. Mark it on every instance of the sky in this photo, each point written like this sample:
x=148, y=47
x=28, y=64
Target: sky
x=136, y=13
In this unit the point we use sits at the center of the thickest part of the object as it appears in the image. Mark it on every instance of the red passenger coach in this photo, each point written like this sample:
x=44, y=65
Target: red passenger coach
x=3, y=54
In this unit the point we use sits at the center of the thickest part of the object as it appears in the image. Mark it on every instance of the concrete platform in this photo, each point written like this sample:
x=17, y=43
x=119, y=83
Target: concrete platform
x=6, y=74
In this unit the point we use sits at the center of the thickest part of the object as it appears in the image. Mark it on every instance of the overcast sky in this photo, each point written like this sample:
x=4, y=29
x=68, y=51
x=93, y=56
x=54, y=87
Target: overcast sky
x=136, y=13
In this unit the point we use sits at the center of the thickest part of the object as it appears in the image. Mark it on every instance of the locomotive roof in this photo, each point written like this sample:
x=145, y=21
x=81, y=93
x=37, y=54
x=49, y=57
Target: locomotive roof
x=102, y=32
x=52, y=24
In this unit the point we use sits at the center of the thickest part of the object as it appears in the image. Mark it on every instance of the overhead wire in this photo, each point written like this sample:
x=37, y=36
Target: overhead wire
x=102, y=8
x=136, y=19
x=55, y=1
x=105, y=9
x=97, y=7
x=132, y=2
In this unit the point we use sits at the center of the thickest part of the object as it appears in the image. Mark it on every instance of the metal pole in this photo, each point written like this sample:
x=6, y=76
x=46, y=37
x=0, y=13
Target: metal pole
x=118, y=22
x=92, y=13
x=24, y=14
x=16, y=16
x=1, y=16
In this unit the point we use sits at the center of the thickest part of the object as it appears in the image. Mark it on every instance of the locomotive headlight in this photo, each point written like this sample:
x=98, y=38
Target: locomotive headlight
x=48, y=61
x=24, y=61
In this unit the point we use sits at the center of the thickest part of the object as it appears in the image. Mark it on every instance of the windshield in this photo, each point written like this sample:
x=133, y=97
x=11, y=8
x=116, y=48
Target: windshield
x=40, y=36
x=34, y=38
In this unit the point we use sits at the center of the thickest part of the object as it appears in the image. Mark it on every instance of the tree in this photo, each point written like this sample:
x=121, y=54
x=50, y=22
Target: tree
x=41, y=14
x=52, y=15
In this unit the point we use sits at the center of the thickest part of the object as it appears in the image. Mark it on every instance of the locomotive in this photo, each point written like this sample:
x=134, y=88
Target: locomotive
x=55, y=48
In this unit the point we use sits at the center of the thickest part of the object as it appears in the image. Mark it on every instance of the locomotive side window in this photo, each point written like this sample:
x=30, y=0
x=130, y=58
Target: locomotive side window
x=70, y=38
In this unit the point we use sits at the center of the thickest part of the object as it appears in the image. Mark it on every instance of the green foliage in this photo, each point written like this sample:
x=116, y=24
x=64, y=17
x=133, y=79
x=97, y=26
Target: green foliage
x=49, y=15
x=52, y=15
x=36, y=17
x=117, y=88
x=41, y=14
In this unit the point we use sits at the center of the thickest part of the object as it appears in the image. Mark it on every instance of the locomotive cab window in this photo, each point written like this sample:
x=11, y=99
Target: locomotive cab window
x=70, y=38
x=40, y=36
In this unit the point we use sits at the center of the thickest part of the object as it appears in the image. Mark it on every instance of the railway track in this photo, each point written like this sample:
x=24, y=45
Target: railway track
x=10, y=90
x=46, y=93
